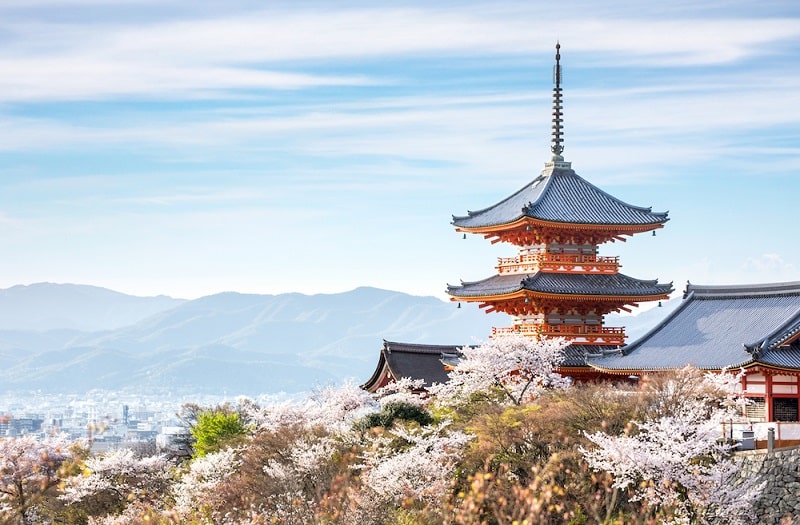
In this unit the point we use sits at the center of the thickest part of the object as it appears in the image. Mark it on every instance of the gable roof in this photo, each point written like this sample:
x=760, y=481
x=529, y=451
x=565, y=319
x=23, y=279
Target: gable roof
x=561, y=195
x=718, y=327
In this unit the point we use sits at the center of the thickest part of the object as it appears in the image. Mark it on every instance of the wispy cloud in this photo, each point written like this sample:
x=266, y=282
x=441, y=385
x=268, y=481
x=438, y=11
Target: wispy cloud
x=288, y=49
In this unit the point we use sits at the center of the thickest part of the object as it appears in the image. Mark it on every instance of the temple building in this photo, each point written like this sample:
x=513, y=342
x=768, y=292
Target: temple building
x=559, y=285
x=754, y=327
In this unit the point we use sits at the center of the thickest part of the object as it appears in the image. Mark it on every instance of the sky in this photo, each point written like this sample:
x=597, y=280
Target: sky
x=193, y=147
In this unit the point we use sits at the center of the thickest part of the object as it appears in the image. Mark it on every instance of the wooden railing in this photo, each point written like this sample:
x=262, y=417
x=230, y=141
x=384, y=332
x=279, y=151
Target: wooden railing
x=587, y=334
x=558, y=262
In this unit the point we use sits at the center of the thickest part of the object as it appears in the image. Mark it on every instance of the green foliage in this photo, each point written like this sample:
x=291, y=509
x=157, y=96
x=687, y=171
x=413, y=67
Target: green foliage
x=392, y=412
x=216, y=429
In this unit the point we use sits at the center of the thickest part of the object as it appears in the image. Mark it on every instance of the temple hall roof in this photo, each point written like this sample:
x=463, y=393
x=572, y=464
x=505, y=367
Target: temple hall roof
x=717, y=327
x=575, y=355
x=560, y=195
x=427, y=362
x=417, y=361
x=563, y=284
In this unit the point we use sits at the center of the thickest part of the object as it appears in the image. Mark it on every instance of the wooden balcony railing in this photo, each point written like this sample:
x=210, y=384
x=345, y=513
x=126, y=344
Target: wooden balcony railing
x=558, y=262
x=586, y=334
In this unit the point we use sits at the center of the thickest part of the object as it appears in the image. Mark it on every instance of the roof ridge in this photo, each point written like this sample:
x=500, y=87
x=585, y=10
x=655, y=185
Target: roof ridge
x=786, y=330
x=419, y=348
x=711, y=291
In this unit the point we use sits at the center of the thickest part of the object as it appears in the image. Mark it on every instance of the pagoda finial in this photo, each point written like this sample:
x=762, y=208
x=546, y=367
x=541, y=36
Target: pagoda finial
x=558, y=134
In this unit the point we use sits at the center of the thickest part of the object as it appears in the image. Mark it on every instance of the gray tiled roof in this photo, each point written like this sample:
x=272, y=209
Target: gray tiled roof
x=561, y=195
x=494, y=285
x=422, y=361
x=562, y=283
x=576, y=354
x=717, y=327
x=417, y=361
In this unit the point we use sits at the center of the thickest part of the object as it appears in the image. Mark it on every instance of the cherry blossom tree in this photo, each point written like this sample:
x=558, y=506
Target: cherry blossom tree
x=29, y=469
x=676, y=460
x=420, y=468
x=299, y=449
x=519, y=366
x=197, y=485
x=114, y=480
x=404, y=390
x=333, y=408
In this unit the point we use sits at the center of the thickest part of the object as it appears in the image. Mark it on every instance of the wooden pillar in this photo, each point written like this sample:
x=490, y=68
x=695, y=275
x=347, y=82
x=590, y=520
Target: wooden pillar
x=768, y=396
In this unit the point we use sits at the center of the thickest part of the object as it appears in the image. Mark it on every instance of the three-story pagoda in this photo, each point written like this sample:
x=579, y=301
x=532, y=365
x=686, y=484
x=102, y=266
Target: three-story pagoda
x=559, y=284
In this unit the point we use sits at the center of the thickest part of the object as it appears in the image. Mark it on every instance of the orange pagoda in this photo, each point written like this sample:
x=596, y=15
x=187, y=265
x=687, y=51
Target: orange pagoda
x=559, y=284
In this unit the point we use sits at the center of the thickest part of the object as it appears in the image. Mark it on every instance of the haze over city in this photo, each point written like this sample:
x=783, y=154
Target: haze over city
x=189, y=148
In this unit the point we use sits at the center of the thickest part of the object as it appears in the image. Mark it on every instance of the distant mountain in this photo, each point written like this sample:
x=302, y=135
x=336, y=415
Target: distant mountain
x=228, y=343
x=48, y=306
x=238, y=343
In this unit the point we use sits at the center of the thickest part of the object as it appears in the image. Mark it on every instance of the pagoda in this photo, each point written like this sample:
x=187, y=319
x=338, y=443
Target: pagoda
x=558, y=284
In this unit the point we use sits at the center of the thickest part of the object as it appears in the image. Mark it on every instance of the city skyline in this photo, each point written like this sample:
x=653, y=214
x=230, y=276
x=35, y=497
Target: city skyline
x=167, y=148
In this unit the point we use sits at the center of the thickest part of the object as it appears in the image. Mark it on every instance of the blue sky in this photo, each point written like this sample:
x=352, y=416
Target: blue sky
x=189, y=148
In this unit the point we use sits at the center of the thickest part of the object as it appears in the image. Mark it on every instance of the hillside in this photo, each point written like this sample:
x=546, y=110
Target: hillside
x=236, y=343
x=49, y=306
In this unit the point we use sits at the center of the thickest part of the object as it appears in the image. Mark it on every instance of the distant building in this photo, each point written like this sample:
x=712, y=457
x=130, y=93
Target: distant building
x=20, y=426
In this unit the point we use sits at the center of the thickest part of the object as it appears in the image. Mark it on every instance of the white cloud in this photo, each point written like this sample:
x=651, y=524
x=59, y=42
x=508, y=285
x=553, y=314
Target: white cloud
x=270, y=49
x=84, y=77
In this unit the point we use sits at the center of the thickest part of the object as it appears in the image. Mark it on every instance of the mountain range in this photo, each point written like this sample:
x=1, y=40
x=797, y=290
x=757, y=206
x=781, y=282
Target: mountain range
x=75, y=338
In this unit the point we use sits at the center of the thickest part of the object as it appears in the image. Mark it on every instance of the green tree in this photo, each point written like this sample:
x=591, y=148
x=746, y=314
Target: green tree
x=217, y=428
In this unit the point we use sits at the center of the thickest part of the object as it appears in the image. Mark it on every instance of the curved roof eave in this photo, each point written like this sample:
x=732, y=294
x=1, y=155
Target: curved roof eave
x=505, y=285
x=612, y=285
x=381, y=368
x=623, y=371
x=515, y=200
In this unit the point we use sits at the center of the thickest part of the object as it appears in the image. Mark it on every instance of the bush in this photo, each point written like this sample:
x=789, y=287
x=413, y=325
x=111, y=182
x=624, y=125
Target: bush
x=394, y=411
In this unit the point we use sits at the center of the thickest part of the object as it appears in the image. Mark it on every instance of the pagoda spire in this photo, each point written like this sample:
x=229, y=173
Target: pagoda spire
x=558, y=134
